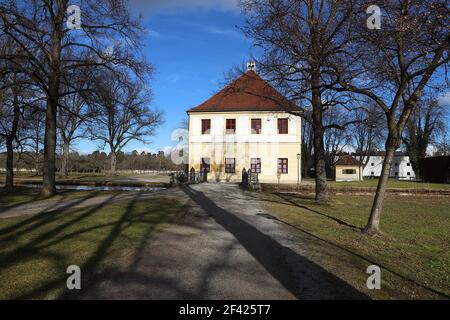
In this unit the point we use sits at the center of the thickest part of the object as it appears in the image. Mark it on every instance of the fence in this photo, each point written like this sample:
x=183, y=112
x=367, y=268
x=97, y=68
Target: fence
x=189, y=177
x=250, y=179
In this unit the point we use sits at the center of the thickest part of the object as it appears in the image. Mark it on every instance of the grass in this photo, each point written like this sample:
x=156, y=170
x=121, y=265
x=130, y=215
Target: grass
x=23, y=195
x=393, y=184
x=35, y=251
x=412, y=248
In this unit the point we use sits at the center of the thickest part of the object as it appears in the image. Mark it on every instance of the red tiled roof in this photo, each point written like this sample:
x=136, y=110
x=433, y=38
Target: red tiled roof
x=347, y=160
x=247, y=93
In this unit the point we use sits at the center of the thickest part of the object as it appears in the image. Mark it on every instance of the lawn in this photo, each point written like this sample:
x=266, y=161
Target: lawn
x=412, y=248
x=23, y=195
x=35, y=251
x=393, y=183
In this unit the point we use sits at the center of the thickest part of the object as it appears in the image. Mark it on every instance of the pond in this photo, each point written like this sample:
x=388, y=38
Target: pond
x=95, y=188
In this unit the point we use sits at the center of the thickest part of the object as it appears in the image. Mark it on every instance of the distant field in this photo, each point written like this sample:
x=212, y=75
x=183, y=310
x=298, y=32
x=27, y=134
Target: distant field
x=393, y=183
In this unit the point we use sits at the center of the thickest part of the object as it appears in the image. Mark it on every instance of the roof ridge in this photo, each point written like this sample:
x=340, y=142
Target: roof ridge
x=248, y=92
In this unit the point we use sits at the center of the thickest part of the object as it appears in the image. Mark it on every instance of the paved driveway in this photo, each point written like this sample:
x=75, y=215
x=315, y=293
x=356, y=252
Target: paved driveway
x=225, y=246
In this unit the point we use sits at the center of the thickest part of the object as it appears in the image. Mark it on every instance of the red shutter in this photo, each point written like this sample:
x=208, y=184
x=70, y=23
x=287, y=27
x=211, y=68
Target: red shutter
x=256, y=126
x=282, y=165
x=206, y=126
x=230, y=126
x=283, y=126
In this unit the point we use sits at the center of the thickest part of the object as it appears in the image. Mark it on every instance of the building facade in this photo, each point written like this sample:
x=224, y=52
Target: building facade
x=348, y=168
x=401, y=167
x=247, y=125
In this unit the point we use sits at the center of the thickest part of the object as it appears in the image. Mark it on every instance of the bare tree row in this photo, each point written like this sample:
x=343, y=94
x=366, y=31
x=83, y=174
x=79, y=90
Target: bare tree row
x=331, y=53
x=87, y=82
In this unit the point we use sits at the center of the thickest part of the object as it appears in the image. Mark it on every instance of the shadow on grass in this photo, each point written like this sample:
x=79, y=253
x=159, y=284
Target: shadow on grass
x=48, y=215
x=302, y=277
x=53, y=233
x=341, y=222
x=285, y=198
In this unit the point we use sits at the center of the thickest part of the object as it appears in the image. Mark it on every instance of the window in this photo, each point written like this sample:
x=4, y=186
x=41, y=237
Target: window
x=408, y=173
x=205, y=163
x=282, y=165
x=396, y=164
x=408, y=164
x=349, y=171
x=283, y=126
x=396, y=174
x=255, y=165
x=231, y=126
x=206, y=126
x=372, y=164
x=372, y=173
x=256, y=126
x=230, y=165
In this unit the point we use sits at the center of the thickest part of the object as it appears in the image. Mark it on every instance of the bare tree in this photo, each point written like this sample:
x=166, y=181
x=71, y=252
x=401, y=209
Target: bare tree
x=368, y=131
x=31, y=140
x=307, y=143
x=303, y=42
x=122, y=114
x=10, y=115
x=393, y=65
x=423, y=127
x=52, y=51
x=73, y=117
x=336, y=138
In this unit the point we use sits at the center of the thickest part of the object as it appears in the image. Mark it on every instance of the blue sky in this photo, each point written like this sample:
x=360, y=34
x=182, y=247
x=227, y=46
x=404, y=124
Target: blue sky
x=192, y=45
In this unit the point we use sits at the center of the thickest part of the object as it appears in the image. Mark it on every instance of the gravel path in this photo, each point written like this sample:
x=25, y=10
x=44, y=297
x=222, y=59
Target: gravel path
x=225, y=246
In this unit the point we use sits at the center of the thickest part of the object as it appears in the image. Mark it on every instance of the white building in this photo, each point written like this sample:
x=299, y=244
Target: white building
x=247, y=125
x=401, y=166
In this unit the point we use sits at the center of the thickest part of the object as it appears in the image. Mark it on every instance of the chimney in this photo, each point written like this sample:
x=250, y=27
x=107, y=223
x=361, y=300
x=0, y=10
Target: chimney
x=251, y=66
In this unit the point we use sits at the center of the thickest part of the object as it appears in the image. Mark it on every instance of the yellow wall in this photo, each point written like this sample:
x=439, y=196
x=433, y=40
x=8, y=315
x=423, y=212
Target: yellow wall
x=348, y=177
x=268, y=146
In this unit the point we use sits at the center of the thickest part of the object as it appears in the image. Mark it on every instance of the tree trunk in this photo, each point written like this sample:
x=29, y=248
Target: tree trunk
x=113, y=163
x=48, y=181
x=9, y=182
x=373, y=224
x=65, y=160
x=319, y=152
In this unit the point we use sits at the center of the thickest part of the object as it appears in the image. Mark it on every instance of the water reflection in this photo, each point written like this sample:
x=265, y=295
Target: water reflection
x=95, y=188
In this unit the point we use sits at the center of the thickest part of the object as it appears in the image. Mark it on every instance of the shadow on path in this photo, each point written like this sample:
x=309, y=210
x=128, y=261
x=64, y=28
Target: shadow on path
x=303, y=278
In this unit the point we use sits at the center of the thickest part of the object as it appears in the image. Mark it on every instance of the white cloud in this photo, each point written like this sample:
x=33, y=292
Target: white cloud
x=186, y=4
x=228, y=32
x=174, y=78
x=153, y=33
x=445, y=99
x=167, y=150
x=146, y=150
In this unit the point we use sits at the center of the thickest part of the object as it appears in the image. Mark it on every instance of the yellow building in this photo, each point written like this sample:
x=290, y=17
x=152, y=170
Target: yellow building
x=348, y=169
x=246, y=125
